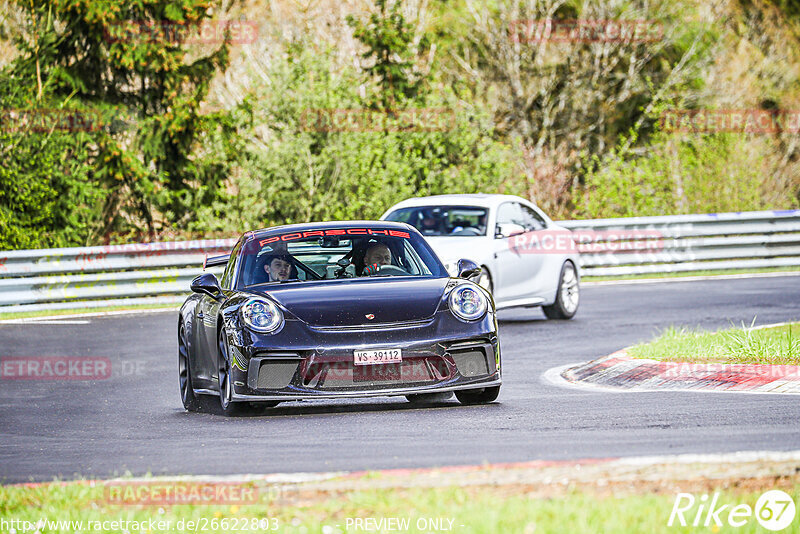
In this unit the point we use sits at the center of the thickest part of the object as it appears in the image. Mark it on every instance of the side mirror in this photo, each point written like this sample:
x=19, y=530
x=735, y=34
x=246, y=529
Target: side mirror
x=508, y=230
x=468, y=269
x=206, y=284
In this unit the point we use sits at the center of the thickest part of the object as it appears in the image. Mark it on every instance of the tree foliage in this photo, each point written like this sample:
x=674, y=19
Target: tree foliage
x=297, y=169
x=124, y=68
x=151, y=152
x=392, y=48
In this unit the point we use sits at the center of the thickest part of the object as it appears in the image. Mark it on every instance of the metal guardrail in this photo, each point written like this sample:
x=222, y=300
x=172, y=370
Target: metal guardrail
x=63, y=278
x=160, y=272
x=685, y=243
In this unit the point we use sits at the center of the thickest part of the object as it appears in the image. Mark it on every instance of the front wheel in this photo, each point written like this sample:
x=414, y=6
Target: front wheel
x=477, y=396
x=229, y=407
x=568, y=295
x=190, y=401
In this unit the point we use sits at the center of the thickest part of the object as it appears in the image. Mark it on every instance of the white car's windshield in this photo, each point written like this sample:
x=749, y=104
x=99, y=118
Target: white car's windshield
x=443, y=220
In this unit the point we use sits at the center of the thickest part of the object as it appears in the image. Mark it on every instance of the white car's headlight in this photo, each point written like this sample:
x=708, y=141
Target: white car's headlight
x=262, y=316
x=468, y=303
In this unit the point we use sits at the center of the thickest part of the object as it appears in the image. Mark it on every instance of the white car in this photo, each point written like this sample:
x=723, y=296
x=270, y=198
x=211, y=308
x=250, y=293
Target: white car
x=526, y=259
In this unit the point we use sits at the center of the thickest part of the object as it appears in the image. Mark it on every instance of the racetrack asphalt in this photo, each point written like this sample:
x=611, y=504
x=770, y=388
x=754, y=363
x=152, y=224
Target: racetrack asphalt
x=134, y=422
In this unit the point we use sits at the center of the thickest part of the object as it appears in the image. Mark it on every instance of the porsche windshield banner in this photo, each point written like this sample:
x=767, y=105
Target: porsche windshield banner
x=338, y=232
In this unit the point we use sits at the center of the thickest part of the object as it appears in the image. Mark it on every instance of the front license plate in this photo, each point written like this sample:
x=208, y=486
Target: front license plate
x=370, y=357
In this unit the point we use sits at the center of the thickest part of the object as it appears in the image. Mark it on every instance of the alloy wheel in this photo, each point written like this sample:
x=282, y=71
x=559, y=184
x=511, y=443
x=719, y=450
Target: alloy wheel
x=570, y=289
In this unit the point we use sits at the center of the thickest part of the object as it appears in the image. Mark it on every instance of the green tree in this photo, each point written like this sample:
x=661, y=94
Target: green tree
x=298, y=168
x=127, y=61
x=686, y=173
x=391, y=50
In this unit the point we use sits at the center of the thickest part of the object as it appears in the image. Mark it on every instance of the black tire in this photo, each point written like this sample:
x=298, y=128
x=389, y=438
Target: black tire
x=264, y=405
x=567, y=296
x=229, y=407
x=190, y=401
x=478, y=396
x=426, y=398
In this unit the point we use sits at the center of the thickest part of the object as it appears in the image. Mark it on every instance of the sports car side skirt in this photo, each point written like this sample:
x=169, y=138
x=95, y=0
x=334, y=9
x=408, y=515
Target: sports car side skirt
x=520, y=303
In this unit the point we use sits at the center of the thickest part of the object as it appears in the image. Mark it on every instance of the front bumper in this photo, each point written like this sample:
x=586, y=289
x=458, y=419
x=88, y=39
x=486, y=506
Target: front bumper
x=438, y=356
x=364, y=393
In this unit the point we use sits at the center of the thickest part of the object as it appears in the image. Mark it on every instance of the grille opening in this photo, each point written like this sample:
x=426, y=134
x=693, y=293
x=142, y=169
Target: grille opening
x=345, y=375
x=276, y=374
x=472, y=362
x=439, y=368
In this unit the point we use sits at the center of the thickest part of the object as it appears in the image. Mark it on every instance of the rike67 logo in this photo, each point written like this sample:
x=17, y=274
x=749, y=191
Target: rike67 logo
x=774, y=510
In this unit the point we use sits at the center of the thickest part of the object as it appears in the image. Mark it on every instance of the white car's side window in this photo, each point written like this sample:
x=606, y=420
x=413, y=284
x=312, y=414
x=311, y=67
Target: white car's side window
x=521, y=215
x=509, y=212
x=533, y=221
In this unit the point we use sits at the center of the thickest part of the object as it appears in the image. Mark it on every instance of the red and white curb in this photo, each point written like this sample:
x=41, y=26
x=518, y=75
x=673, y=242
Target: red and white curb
x=621, y=372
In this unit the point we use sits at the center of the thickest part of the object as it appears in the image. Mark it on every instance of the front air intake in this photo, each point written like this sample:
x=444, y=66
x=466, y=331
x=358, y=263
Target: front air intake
x=473, y=361
x=276, y=374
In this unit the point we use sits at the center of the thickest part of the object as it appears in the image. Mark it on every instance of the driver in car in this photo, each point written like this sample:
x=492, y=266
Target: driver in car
x=278, y=267
x=377, y=255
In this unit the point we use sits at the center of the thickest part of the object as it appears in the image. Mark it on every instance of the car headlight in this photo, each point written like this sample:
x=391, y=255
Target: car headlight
x=262, y=316
x=468, y=303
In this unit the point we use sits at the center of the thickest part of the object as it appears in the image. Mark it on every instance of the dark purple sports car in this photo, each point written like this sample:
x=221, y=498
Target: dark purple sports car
x=336, y=310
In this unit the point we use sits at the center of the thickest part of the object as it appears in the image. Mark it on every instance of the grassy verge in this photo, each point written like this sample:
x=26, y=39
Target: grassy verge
x=778, y=345
x=692, y=274
x=73, y=311
x=453, y=509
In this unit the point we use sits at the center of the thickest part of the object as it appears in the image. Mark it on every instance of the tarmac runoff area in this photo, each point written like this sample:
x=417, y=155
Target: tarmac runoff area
x=621, y=372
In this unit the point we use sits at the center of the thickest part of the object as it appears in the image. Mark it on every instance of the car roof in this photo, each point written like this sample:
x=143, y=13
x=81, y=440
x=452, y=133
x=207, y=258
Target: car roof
x=482, y=200
x=304, y=227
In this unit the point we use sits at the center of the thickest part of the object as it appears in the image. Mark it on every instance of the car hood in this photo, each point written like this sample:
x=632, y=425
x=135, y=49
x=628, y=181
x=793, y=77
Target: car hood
x=350, y=302
x=450, y=249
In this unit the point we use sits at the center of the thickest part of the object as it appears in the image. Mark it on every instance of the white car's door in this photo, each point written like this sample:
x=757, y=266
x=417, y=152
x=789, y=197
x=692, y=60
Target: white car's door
x=517, y=266
x=546, y=254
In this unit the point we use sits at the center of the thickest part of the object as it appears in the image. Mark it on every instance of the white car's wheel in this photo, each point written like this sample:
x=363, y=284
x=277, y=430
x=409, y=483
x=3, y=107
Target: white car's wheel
x=568, y=295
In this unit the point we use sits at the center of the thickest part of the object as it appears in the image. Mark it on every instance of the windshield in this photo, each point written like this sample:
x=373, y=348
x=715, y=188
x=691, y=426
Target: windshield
x=331, y=254
x=443, y=220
